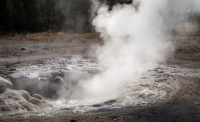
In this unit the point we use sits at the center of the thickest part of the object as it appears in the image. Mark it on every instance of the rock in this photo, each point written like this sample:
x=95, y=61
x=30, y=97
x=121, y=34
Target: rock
x=16, y=100
x=13, y=95
x=42, y=104
x=58, y=80
x=23, y=49
x=38, y=96
x=2, y=88
x=12, y=108
x=25, y=94
x=91, y=70
x=54, y=86
x=34, y=101
x=46, y=104
x=73, y=120
x=57, y=73
x=9, y=105
x=29, y=106
x=7, y=83
x=52, y=91
x=33, y=86
x=2, y=100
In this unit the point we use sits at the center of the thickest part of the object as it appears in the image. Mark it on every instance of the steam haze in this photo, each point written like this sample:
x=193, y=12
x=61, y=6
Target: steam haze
x=134, y=40
x=136, y=37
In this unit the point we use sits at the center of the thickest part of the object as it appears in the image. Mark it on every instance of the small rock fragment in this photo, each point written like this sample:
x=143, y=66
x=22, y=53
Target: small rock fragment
x=7, y=83
x=25, y=94
x=13, y=95
x=23, y=49
x=38, y=96
x=9, y=105
x=34, y=101
x=42, y=104
x=2, y=88
x=58, y=80
x=29, y=106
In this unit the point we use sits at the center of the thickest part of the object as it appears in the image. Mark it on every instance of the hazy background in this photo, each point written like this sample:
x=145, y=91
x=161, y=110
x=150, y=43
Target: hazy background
x=136, y=37
x=72, y=16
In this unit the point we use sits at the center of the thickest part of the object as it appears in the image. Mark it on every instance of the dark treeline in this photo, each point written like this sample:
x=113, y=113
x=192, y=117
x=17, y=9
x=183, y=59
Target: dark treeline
x=111, y=3
x=43, y=15
x=30, y=15
x=77, y=15
x=21, y=16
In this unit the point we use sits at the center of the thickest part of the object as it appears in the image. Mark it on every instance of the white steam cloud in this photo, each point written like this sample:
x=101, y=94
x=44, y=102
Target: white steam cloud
x=136, y=37
x=133, y=40
x=196, y=6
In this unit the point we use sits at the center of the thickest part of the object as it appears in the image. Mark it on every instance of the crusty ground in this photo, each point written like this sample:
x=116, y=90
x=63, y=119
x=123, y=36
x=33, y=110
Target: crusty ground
x=184, y=106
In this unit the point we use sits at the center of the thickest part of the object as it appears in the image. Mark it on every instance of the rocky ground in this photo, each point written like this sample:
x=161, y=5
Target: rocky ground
x=184, y=105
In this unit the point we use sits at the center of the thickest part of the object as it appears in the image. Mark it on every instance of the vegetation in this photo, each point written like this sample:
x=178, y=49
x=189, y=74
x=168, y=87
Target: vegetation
x=29, y=16
x=23, y=16
x=77, y=13
x=72, y=16
x=48, y=36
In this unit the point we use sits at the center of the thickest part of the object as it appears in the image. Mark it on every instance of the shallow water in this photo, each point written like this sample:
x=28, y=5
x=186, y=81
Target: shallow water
x=155, y=83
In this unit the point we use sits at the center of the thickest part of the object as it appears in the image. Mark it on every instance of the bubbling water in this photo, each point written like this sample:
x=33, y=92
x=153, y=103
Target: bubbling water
x=156, y=83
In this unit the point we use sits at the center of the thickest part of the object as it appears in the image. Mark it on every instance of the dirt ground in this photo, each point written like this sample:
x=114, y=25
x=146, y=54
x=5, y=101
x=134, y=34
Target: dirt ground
x=184, y=106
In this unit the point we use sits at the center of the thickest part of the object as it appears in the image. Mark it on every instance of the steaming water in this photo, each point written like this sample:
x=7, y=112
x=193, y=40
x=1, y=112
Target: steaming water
x=156, y=84
x=134, y=38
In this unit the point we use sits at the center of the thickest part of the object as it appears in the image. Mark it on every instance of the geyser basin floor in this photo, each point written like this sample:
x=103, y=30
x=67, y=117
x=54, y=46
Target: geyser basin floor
x=183, y=106
x=157, y=84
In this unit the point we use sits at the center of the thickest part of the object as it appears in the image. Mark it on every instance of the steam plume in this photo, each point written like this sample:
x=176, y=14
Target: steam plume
x=134, y=40
x=136, y=37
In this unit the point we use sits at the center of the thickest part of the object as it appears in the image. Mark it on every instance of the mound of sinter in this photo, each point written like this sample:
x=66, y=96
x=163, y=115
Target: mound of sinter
x=19, y=100
x=66, y=81
x=55, y=78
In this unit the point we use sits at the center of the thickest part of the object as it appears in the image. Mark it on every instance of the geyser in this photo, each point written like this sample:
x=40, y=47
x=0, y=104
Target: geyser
x=126, y=70
x=65, y=78
x=134, y=40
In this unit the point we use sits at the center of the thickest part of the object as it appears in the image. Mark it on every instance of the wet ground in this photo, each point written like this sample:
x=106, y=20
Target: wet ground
x=155, y=83
x=166, y=92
